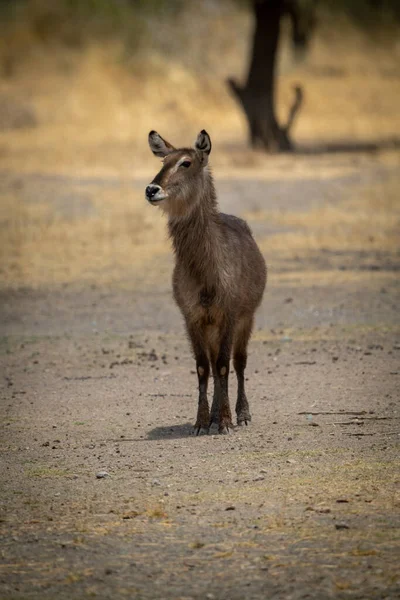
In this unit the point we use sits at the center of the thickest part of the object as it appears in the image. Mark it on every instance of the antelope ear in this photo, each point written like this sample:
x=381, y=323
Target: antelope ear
x=158, y=145
x=203, y=145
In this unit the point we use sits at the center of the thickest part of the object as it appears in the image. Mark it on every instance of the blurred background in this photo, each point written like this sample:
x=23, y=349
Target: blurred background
x=83, y=81
x=301, y=99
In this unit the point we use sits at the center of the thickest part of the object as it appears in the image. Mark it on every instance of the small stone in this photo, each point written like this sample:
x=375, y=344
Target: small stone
x=102, y=474
x=156, y=482
x=259, y=478
x=286, y=338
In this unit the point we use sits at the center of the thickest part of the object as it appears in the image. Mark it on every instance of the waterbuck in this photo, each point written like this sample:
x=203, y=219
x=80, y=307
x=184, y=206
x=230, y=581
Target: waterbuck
x=219, y=276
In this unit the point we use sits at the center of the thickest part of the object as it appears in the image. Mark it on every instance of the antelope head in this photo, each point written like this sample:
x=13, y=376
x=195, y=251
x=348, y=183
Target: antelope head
x=176, y=187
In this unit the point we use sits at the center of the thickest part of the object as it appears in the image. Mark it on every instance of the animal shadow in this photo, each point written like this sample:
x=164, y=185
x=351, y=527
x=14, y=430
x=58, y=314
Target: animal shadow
x=171, y=432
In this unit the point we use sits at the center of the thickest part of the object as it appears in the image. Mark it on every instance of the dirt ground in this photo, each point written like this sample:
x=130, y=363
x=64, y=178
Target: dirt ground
x=97, y=378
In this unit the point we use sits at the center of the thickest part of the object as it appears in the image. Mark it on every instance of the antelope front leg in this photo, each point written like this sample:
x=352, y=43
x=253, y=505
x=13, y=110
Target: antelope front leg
x=202, y=424
x=214, y=414
x=220, y=403
x=203, y=413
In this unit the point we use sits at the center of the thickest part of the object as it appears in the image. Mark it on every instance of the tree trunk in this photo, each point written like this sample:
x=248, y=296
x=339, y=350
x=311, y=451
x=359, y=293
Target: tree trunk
x=257, y=97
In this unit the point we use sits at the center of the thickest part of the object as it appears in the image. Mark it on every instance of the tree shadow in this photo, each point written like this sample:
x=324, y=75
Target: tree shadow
x=242, y=155
x=348, y=146
x=171, y=432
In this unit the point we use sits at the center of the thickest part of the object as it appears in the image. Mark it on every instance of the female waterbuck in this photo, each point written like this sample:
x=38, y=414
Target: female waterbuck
x=219, y=274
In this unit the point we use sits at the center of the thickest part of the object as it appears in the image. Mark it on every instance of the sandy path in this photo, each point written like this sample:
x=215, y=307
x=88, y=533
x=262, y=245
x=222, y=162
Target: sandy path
x=304, y=503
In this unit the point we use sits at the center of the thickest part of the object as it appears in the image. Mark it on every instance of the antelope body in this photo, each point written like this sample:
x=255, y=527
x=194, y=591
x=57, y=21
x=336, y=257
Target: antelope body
x=219, y=276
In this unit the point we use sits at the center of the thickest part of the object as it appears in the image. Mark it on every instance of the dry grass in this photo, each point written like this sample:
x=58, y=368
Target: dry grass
x=122, y=237
x=40, y=247
x=95, y=108
x=367, y=221
x=351, y=84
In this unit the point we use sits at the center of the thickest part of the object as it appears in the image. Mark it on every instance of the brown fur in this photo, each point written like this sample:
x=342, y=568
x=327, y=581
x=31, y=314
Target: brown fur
x=219, y=275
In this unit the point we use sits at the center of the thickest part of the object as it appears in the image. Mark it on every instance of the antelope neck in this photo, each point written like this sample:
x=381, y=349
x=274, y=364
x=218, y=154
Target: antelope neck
x=196, y=237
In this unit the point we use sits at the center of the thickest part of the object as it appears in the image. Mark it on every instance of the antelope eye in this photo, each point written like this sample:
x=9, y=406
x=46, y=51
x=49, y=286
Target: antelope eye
x=186, y=164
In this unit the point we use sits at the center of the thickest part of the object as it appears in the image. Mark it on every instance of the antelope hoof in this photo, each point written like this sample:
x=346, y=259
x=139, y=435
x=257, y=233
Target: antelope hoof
x=200, y=430
x=224, y=427
x=243, y=418
x=223, y=430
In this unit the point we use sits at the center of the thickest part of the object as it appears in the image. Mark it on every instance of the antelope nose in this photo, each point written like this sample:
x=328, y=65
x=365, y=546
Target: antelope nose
x=152, y=190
